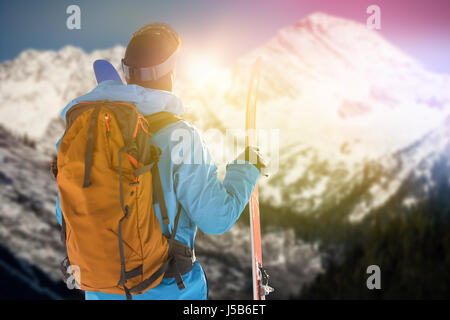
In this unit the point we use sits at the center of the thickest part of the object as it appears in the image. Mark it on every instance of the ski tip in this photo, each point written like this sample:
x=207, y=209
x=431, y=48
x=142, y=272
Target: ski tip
x=100, y=63
x=104, y=71
x=257, y=66
x=258, y=63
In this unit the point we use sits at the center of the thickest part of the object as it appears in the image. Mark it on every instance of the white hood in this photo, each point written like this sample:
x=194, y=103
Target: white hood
x=147, y=101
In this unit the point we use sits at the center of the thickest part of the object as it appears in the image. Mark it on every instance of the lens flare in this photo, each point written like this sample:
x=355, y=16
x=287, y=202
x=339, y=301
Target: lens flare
x=202, y=70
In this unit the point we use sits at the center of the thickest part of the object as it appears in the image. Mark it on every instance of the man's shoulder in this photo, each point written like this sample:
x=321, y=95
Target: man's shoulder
x=173, y=133
x=178, y=127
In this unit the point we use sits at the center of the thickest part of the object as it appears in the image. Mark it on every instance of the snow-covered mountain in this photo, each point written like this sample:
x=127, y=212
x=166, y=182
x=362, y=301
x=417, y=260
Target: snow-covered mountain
x=36, y=85
x=358, y=121
x=345, y=102
x=343, y=98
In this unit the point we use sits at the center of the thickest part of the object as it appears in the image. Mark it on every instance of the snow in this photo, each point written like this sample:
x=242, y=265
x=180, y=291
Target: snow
x=282, y=254
x=410, y=202
x=416, y=161
x=36, y=85
x=316, y=191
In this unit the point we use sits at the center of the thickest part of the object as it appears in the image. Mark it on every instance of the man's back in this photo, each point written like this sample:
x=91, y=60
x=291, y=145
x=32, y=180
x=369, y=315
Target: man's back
x=188, y=178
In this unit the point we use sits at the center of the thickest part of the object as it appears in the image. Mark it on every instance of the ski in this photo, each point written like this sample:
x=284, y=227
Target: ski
x=104, y=71
x=259, y=276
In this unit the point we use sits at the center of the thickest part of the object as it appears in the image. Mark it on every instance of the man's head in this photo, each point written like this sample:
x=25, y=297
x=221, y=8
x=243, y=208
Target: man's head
x=151, y=56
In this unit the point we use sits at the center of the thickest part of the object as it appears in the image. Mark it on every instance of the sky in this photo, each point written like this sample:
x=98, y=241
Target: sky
x=226, y=29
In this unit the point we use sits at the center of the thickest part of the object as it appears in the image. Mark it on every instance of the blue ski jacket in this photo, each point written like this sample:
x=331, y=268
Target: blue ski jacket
x=207, y=203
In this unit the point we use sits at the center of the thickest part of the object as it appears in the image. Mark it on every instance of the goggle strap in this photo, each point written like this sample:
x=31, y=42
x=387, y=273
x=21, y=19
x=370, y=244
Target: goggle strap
x=153, y=72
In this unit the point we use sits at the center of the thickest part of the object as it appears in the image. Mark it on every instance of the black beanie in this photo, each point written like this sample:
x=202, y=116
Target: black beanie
x=152, y=47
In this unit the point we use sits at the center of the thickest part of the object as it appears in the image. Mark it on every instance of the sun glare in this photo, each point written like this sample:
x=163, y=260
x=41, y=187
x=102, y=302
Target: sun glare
x=203, y=70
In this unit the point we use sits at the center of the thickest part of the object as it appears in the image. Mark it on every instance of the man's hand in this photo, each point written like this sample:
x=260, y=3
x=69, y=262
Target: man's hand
x=252, y=155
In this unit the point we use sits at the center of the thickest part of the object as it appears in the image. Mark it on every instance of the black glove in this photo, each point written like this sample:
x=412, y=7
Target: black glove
x=252, y=155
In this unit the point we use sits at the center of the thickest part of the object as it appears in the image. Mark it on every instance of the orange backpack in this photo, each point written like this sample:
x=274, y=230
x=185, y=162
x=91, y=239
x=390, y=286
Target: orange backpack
x=106, y=172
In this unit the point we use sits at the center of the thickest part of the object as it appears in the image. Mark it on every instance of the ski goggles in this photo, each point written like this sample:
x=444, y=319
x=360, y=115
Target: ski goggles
x=157, y=71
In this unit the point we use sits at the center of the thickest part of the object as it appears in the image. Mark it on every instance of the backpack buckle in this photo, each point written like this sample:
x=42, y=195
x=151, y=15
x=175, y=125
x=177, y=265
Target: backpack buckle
x=193, y=257
x=127, y=211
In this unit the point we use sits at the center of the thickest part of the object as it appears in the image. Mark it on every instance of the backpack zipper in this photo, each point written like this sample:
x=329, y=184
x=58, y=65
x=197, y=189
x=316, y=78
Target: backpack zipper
x=107, y=124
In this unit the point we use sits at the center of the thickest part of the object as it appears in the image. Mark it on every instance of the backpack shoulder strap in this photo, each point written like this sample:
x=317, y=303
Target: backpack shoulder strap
x=160, y=120
x=156, y=122
x=160, y=194
x=175, y=225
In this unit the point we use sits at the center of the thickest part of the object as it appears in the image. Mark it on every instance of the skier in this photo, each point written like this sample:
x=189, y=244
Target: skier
x=205, y=202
